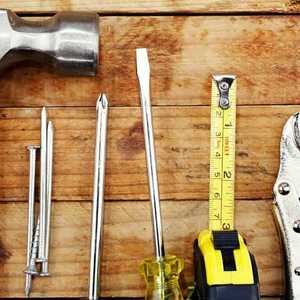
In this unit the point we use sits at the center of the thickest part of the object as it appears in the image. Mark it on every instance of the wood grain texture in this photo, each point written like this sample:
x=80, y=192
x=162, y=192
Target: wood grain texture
x=158, y=6
x=127, y=240
x=182, y=146
x=184, y=52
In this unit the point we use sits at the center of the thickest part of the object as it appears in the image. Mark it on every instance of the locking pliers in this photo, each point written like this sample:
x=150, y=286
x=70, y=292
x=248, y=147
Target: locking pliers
x=287, y=202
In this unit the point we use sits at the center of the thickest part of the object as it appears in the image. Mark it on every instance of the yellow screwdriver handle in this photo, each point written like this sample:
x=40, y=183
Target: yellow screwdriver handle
x=162, y=278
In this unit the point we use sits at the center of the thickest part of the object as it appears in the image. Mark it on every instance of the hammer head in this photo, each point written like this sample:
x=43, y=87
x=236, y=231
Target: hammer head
x=69, y=41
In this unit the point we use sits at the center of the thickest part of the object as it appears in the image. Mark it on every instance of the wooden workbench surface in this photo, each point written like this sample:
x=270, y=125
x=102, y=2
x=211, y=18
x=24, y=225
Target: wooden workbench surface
x=187, y=41
x=157, y=6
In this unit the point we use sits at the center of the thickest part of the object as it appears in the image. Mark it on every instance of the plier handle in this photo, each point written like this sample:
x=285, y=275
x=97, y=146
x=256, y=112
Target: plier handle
x=287, y=202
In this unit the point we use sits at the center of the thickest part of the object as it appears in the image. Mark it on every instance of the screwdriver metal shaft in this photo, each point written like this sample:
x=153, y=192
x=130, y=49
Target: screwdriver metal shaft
x=98, y=196
x=143, y=73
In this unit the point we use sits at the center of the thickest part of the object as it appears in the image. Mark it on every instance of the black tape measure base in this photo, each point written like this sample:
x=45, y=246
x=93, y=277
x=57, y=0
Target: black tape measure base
x=205, y=291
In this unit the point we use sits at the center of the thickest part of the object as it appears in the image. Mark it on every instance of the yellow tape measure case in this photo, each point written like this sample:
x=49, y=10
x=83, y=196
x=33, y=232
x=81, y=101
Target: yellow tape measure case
x=224, y=269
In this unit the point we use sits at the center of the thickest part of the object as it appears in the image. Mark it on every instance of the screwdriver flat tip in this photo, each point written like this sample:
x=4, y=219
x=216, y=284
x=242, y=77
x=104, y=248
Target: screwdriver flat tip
x=142, y=62
x=102, y=102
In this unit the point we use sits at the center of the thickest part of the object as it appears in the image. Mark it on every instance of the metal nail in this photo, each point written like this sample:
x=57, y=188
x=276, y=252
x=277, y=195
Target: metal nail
x=50, y=133
x=30, y=220
x=43, y=186
x=32, y=270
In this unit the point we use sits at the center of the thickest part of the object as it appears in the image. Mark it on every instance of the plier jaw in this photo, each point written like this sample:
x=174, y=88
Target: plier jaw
x=287, y=201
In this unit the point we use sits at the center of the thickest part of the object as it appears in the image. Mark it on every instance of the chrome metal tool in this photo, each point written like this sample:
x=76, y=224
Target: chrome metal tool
x=98, y=196
x=47, y=216
x=143, y=72
x=46, y=158
x=287, y=204
x=30, y=218
x=162, y=272
x=38, y=241
x=68, y=42
x=43, y=186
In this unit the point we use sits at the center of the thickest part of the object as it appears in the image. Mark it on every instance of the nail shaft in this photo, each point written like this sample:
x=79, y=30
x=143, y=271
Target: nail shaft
x=32, y=270
x=50, y=132
x=143, y=72
x=98, y=196
x=30, y=221
x=43, y=185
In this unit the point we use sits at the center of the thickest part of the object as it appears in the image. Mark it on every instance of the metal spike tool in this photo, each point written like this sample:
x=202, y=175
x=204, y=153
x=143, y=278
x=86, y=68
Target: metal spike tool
x=224, y=268
x=162, y=272
x=286, y=202
x=30, y=219
x=38, y=240
x=98, y=196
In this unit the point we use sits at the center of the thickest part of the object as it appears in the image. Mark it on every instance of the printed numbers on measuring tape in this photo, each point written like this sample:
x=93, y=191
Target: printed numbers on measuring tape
x=222, y=159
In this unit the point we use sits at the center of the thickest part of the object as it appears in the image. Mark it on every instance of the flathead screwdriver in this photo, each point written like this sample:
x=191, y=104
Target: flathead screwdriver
x=143, y=73
x=162, y=272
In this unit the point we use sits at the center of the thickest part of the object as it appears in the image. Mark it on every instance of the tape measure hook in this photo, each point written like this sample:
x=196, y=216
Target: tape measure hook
x=224, y=83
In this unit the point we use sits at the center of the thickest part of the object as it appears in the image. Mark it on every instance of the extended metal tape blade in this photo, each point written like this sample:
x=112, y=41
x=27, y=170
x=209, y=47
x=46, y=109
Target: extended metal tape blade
x=222, y=153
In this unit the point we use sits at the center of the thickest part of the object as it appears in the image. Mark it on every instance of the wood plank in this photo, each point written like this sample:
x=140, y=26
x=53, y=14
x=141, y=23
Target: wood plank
x=158, y=6
x=182, y=146
x=127, y=239
x=184, y=52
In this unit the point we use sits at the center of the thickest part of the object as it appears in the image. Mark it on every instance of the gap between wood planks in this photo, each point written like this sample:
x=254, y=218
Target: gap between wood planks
x=161, y=8
x=167, y=14
x=260, y=105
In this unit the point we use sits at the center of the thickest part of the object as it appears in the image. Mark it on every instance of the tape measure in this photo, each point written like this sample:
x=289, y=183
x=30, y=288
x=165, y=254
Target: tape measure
x=222, y=153
x=224, y=268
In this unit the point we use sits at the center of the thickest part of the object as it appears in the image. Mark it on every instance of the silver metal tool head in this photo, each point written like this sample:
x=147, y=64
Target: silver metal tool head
x=68, y=42
x=286, y=201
